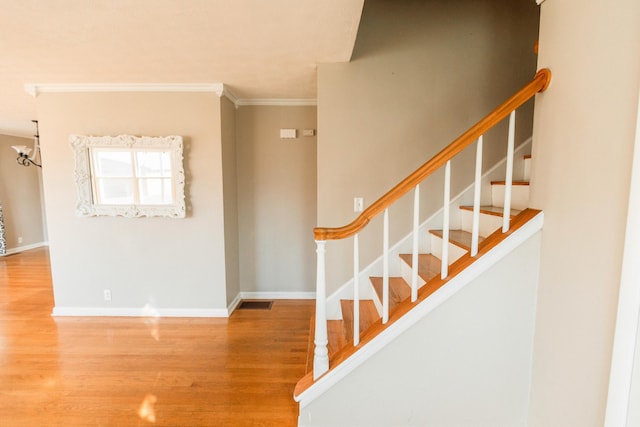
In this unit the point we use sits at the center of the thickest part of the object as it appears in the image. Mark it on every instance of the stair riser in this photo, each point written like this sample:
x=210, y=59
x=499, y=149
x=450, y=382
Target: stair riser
x=455, y=252
x=407, y=271
x=519, y=196
x=488, y=223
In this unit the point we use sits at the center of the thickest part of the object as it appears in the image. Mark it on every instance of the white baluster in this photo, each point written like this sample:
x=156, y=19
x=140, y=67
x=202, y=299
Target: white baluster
x=414, y=254
x=321, y=353
x=506, y=214
x=475, y=230
x=444, y=269
x=356, y=291
x=385, y=269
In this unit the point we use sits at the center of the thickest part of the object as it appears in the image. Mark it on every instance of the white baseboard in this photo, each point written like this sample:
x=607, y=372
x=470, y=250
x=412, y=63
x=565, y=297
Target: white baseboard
x=175, y=312
x=11, y=251
x=138, y=312
x=277, y=295
x=234, y=304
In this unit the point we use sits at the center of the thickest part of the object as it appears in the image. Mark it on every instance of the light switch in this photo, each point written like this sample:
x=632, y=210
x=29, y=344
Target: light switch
x=358, y=204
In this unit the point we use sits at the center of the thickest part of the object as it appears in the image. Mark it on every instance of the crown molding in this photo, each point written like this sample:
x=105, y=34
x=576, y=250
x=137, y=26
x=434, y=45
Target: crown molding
x=34, y=89
x=220, y=89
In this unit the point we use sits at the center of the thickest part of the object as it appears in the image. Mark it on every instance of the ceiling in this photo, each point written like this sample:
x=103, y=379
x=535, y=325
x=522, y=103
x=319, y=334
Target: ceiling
x=259, y=49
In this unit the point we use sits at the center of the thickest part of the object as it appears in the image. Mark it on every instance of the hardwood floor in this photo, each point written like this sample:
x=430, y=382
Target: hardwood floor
x=239, y=371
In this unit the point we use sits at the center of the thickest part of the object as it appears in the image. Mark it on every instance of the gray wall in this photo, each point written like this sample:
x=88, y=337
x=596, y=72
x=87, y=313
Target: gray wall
x=422, y=73
x=20, y=193
x=467, y=363
x=166, y=263
x=276, y=199
x=582, y=152
x=230, y=188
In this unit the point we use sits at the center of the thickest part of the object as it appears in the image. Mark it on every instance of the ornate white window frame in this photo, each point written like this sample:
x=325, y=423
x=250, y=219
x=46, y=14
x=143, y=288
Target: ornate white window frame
x=86, y=206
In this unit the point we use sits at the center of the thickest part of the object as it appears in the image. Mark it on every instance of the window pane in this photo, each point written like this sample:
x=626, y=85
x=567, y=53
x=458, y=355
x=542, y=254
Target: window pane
x=153, y=163
x=155, y=191
x=114, y=191
x=108, y=163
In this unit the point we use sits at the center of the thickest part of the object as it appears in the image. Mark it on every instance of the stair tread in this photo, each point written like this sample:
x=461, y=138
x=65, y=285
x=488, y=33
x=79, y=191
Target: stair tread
x=368, y=315
x=526, y=156
x=459, y=238
x=512, y=182
x=428, y=265
x=492, y=210
x=399, y=290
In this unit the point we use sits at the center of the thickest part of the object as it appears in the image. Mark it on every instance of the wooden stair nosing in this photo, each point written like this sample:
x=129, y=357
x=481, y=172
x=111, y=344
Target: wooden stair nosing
x=428, y=265
x=459, y=238
x=492, y=210
x=399, y=290
x=456, y=268
x=512, y=182
x=526, y=156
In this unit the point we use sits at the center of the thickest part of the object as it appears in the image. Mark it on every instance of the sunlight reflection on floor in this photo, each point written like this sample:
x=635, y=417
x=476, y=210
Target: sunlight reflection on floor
x=147, y=411
x=152, y=319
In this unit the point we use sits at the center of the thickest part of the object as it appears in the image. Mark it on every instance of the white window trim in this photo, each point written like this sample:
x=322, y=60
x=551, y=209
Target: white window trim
x=85, y=206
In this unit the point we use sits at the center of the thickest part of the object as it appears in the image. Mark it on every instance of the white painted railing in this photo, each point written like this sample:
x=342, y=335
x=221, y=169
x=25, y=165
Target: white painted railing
x=412, y=182
x=356, y=290
x=475, y=228
x=416, y=239
x=508, y=181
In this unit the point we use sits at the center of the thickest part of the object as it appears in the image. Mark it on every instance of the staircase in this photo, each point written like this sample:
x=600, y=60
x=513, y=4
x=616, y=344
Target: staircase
x=340, y=332
x=367, y=323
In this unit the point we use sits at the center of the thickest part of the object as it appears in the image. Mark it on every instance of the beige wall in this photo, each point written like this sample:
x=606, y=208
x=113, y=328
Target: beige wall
x=276, y=199
x=230, y=188
x=166, y=263
x=422, y=72
x=20, y=194
x=582, y=151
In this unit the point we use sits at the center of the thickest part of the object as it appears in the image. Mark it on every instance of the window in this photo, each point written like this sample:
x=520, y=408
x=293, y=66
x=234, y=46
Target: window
x=129, y=176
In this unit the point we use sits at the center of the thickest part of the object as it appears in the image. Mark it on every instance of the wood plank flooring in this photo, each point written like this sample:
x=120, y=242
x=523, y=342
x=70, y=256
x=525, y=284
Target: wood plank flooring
x=239, y=371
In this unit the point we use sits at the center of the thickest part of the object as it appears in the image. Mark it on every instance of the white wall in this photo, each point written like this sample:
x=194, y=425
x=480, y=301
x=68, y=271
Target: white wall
x=633, y=418
x=468, y=363
x=582, y=151
x=170, y=264
x=422, y=73
x=276, y=199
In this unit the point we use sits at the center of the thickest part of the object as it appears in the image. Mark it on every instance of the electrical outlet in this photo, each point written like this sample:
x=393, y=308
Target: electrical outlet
x=107, y=294
x=358, y=204
x=20, y=239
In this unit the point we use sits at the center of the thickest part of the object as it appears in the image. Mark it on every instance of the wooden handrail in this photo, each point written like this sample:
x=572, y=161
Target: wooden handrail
x=539, y=84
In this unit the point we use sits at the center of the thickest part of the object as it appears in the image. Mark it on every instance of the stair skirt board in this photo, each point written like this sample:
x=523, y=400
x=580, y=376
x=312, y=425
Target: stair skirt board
x=404, y=322
x=465, y=197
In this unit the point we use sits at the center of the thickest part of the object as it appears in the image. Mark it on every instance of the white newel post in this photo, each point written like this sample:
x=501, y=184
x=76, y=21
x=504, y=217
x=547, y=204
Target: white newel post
x=321, y=353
